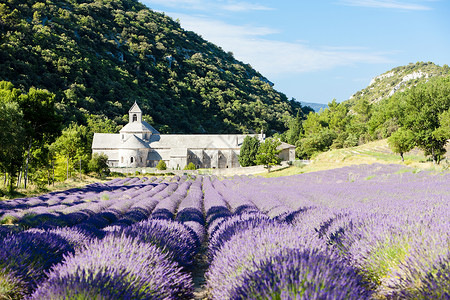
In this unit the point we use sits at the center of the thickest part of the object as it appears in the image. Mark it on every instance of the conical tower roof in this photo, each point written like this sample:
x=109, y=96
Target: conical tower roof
x=135, y=108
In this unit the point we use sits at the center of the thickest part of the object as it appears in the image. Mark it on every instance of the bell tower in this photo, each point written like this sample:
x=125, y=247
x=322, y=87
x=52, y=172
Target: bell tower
x=135, y=114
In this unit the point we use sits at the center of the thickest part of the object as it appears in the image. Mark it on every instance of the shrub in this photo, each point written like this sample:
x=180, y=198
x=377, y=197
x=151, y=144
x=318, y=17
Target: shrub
x=161, y=165
x=99, y=164
x=190, y=166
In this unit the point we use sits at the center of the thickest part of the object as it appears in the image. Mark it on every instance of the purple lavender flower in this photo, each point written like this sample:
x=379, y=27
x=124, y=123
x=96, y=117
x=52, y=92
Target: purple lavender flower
x=301, y=274
x=26, y=256
x=247, y=248
x=225, y=230
x=177, y=240
x=118, y=265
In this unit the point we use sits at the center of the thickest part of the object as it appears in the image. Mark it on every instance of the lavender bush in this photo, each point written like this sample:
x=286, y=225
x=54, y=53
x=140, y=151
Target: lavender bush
x=117, y=266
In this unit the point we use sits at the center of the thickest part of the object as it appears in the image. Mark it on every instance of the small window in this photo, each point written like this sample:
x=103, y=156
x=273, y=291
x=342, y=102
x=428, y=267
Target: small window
x=131, y=159
x=121, y=159
x=134, y=118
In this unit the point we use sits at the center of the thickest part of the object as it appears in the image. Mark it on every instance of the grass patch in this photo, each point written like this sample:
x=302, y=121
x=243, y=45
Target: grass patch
x=373, y=152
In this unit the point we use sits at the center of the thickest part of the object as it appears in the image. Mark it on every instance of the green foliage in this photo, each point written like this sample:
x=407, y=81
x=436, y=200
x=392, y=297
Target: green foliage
x=401, y=141
x=315, y=143
x=12, y=130
x=62, y=167
x=161, y=165
x=268, y=153
x=99, y=164
x=190, y=166
x=249, y=151
x=72, y=144
x=426, y=107
x=443, y=131
x=384, y=258
x=98, y=57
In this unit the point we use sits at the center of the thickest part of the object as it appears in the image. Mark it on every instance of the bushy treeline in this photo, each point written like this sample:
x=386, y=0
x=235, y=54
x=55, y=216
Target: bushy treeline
x=416, y=117
x=35, y=146
x=99, y=56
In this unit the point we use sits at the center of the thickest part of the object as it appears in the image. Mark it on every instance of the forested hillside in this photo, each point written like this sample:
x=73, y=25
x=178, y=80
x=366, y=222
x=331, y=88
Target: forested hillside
x=99, y=56
x=409, y=105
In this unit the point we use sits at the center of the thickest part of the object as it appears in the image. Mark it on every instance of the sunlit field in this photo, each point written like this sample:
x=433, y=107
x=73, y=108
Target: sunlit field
x=358, y=232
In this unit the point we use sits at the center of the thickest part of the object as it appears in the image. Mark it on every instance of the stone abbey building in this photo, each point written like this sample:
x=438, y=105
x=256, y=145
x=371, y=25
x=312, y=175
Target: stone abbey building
x=138, y=144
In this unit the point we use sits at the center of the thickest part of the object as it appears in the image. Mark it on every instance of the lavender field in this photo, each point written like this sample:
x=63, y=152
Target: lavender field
x=360, y=232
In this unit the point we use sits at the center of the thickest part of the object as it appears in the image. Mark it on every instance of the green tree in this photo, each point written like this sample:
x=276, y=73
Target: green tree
x=401, y=141
x=161, y=165
x=190, y=166
x=295, y=131
x=42, y=124
x=268, y=153
x=443, y=132
x=314, y=143
x=425, y=104
x=72, y=144
x=249, y=151
x=11, y=139
x=99, y=164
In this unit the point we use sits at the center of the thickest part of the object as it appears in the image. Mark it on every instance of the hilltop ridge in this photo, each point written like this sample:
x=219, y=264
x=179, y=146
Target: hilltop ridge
x=398, y=80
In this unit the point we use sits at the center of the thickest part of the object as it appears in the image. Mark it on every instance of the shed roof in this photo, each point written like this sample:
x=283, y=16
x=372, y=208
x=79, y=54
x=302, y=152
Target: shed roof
x=284, y=145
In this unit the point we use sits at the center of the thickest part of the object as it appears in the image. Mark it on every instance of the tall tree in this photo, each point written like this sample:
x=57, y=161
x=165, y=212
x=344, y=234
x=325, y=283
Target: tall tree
x=11, y=139
x=72, y=143
x=401, y=141
x=295, y=131
x=268, y=153
x=42, y=124
x=424, y=105
x=249, y=150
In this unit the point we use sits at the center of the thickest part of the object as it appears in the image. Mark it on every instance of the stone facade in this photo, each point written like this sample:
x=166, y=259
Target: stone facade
x=138, y=144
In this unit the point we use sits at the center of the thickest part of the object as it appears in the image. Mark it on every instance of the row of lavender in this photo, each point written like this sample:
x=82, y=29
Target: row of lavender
x=341, y=234
x=386, y=229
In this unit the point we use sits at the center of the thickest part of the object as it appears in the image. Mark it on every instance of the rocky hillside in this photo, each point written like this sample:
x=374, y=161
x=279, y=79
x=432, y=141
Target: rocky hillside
x=99, y=56
x=399, y=79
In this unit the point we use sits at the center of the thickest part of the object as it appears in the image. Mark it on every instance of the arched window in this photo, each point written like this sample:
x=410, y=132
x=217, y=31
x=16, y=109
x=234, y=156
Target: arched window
x=131, y=159
x=134, y=118
x=121, y=159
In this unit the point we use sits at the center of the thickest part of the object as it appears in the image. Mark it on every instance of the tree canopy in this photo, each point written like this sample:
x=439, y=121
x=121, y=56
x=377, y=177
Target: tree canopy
x=268, y=153
x=249, y=151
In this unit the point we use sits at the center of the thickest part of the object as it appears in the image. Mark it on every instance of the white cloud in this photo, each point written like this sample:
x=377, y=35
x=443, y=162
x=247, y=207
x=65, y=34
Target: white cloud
x=270, y=57
x=386, y=4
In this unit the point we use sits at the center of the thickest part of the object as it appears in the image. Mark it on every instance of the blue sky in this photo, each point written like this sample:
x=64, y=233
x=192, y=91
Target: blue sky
x=315, y=51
